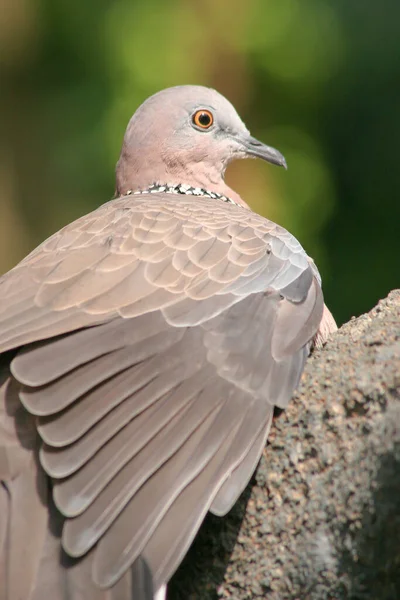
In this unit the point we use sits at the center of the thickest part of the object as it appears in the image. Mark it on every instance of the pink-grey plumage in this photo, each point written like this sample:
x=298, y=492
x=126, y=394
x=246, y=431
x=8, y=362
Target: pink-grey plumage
x=144, y=347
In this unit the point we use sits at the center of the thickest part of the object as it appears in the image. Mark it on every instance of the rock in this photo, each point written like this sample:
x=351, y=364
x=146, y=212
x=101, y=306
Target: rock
x=321, y=518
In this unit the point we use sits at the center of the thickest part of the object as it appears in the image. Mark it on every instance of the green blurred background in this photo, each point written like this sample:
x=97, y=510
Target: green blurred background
x=318, y=79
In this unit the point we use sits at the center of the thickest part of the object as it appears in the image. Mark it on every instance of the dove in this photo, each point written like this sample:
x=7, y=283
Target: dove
x=143, y=349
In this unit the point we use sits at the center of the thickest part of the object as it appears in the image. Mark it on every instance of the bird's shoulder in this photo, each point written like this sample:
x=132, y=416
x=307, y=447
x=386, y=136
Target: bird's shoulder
x=155, y=218
x=189, y=257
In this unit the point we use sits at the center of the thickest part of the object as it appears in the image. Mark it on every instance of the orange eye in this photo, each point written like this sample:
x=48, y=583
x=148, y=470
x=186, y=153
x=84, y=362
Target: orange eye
x=203, y=118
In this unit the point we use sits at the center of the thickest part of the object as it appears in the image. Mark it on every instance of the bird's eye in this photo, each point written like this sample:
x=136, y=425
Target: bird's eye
x=203, y=118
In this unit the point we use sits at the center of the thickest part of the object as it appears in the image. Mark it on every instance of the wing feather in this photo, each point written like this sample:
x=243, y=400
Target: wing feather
x=152, y=340
x=125, y=252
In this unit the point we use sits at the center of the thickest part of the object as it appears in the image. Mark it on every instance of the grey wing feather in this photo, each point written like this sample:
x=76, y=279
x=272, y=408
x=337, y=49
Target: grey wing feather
x=236, y=482
x=157, y=338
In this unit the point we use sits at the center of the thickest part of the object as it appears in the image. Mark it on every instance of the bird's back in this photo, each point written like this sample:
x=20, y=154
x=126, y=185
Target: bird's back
x=149, y=356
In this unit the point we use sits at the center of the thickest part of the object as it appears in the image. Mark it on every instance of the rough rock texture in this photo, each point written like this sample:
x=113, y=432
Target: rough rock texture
x=321, y=518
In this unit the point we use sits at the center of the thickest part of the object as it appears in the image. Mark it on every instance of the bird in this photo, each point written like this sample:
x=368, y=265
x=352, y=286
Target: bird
x=143, y=349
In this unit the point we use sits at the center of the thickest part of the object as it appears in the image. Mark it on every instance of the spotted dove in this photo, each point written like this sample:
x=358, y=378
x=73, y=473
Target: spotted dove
x=144, y=347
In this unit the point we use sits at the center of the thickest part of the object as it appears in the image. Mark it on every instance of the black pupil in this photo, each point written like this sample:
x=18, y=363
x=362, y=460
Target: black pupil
x=204, y=119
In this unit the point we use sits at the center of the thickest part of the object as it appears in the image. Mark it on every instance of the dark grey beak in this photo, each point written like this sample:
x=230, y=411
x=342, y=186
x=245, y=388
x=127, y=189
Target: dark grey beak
x=255, y=148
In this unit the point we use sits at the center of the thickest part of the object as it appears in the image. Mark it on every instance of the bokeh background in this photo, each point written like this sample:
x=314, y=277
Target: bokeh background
x=318, y=79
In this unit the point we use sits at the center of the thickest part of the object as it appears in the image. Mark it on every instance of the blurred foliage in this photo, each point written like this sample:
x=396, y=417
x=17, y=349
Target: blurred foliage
x=315, y=78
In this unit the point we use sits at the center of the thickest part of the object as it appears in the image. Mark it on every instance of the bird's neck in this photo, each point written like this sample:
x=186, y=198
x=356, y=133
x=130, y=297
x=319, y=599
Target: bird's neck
x=130, y=179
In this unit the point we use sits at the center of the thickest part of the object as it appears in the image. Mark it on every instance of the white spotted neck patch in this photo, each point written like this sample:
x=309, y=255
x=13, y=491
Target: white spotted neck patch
x=181, y=188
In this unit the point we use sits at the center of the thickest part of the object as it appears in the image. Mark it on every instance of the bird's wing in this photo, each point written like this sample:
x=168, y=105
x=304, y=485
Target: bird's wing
x=157, y=336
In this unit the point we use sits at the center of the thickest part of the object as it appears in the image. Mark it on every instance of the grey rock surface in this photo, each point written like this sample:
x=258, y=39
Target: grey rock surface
x=321, y=517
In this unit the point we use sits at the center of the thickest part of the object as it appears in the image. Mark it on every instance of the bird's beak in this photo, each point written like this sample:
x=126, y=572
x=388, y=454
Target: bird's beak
x=253, y=147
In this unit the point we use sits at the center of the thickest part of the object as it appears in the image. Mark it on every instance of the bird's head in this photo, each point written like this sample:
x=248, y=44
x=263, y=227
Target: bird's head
x=186, y=134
